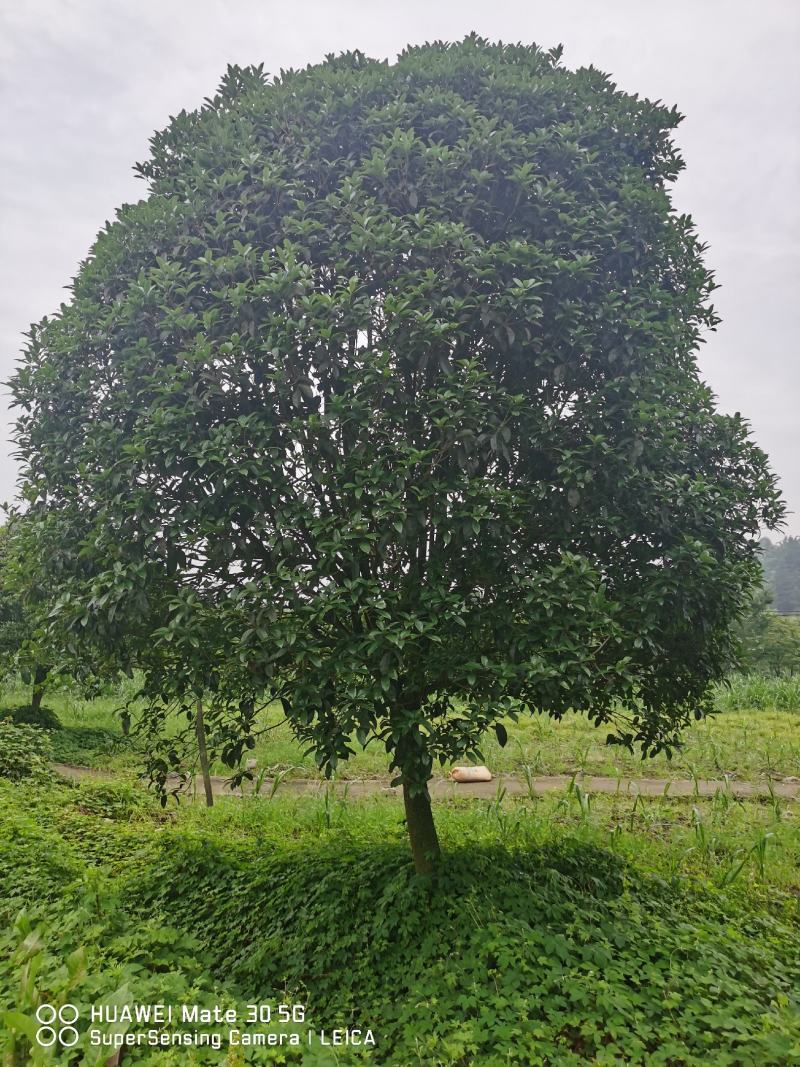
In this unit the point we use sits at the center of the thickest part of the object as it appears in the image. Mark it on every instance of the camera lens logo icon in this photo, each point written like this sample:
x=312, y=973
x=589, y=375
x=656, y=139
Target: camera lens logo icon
x=64, y=1032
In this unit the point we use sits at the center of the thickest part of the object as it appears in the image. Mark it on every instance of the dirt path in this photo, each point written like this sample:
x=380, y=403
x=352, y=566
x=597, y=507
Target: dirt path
x=444, y=787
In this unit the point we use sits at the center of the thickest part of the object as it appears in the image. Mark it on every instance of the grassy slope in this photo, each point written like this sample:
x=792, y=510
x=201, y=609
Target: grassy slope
x=573, y=930
x=748, y=744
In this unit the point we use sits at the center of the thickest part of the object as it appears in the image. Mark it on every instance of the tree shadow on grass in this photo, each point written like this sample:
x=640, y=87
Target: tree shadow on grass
x=295, y=915
x=558, y=954
x=26, y=715
x=83, y=744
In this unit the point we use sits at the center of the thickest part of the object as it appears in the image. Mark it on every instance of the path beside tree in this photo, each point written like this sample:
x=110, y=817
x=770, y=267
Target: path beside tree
x=512, y=785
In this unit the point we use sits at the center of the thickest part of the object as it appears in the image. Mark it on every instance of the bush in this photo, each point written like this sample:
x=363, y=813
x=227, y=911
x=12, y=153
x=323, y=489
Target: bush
x=26, y=715
x=24, y=752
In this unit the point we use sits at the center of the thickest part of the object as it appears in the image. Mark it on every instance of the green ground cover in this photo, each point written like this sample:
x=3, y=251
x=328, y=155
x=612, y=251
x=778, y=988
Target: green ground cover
x=569, y=929
x=755, y=735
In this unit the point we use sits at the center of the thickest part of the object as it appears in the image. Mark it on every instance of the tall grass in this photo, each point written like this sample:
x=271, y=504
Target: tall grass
x=760, y=692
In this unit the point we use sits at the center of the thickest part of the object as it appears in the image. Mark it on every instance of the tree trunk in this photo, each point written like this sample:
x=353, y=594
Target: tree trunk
x=421, y=831
x=39, y=678
x=201, y=748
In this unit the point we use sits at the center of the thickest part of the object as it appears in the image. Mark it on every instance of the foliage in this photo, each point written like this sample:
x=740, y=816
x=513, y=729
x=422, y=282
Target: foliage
x=781, y=562
x=542, y=956
x=91, y=746
x=88, y=955
x=26, y=715
x=558, y=933
x=13, y=618
x=114, y=800
x=385, y=402
x=66, y=936
x=754, y=734
x=756, y=691
x=24, y=751
x=770, y=642
x=25, y=646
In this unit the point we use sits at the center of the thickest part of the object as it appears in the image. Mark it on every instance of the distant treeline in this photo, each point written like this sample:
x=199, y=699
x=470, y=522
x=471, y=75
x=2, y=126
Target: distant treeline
x=781, y=563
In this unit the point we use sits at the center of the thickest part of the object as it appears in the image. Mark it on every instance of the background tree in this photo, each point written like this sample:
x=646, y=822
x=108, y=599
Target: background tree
x=21, y=646
x=191, y=673
x=781, y=562
x=395, y=367
x=30, y=646
x=12, y=614
x=769, y=643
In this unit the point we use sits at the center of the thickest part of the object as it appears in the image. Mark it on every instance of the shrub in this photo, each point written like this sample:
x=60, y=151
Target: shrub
x=24, y=751
x=119, y=801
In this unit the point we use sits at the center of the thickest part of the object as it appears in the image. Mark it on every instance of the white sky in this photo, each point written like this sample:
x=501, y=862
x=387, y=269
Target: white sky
x=84, y=83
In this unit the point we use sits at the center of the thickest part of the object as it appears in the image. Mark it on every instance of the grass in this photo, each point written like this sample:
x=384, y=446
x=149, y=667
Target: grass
x=563, y=929
x=776, y=693
x=759, y=741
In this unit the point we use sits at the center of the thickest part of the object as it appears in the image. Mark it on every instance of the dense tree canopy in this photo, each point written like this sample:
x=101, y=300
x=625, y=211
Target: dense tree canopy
x=385, y=400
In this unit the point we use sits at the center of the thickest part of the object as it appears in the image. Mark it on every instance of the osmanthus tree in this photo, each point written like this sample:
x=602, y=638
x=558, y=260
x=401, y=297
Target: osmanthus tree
x=394, y=368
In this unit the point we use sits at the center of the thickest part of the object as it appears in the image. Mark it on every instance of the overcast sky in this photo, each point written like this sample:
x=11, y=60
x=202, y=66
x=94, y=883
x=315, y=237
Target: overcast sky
x=84, y=83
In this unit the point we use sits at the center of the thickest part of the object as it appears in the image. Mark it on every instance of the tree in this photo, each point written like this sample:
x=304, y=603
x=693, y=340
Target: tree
x=385, y=401
x=769, y=643
x=26, y=643
x=19, y=647
x=781, y=562
x=12, y=612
